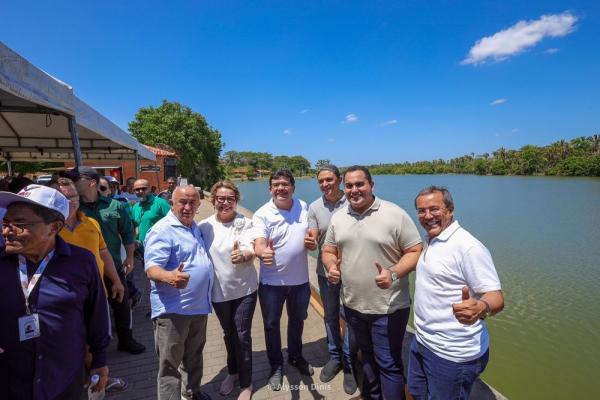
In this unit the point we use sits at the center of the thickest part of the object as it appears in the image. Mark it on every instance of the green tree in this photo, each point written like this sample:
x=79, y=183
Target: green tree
x=187, y=132
x=321, y=163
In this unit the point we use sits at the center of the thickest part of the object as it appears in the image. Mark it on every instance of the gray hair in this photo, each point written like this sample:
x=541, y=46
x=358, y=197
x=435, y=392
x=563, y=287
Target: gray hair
x=448, y=202
x=331, y=168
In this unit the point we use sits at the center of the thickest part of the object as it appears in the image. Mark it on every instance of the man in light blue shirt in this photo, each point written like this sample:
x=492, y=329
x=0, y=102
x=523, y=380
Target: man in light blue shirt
x=182, y=275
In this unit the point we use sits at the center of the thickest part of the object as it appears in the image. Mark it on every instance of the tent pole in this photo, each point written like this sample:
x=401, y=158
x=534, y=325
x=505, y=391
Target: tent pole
x=137, y=163
x=75, y=140
x=9, y=166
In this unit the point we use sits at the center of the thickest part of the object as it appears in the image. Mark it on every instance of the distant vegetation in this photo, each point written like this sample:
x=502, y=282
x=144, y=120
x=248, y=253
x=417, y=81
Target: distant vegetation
x=250, y=165
x=579, y=157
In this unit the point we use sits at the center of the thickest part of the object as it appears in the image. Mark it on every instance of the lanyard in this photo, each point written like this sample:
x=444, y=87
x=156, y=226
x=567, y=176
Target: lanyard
x=26, y=285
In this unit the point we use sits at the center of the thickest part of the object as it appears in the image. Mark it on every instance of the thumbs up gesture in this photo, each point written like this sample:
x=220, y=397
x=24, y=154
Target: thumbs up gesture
x=237, y=256
x=383, y=279
x=179, y=279
x=469, y=309
x=268, y=254
x=310, y=239
x=334, y=272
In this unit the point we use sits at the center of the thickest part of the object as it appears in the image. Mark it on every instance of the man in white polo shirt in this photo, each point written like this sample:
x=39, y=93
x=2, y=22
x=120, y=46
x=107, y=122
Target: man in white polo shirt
x=456, y=288
x=281, y=239
x=372, y=245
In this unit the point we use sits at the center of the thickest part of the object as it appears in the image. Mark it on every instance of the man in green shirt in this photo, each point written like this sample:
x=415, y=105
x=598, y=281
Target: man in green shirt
x=148, y=211
x=117, y=227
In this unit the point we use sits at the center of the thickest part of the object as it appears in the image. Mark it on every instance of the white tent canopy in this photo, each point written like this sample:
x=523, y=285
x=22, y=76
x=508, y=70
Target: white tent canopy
x=41, y=120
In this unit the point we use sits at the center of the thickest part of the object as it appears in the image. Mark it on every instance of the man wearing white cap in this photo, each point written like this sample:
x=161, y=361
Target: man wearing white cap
x=52, y=303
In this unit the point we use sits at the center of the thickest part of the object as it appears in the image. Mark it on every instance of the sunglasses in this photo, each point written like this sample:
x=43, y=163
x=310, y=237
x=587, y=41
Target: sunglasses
x=103, y=188
x=140, y=189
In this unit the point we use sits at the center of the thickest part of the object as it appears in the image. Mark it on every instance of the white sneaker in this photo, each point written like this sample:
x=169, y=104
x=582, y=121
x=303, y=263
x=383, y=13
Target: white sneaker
x=228, y=384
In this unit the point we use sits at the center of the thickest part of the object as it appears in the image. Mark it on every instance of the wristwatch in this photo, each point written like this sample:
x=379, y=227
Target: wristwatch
x=488, y=310
x=394, y=276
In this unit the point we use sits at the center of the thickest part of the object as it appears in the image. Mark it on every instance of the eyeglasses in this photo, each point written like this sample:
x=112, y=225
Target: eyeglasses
x=140, y=189
x=435, y=211
x=223, y=199
x=103, y=188
x=19, y=227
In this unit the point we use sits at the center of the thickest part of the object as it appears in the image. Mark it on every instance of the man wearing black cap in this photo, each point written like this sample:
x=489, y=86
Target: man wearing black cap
x=117, y=227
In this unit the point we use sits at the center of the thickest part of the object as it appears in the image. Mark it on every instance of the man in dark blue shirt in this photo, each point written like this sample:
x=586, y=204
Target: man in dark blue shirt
x=52, y=303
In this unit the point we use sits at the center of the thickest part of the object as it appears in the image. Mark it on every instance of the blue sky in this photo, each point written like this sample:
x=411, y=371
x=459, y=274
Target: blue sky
x=351, y=81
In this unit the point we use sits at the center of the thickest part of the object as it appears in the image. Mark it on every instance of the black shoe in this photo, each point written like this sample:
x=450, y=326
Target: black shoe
x=276, y=378
x=131, y=346
x=330, y=370
x=349, y=382
x=302, y=365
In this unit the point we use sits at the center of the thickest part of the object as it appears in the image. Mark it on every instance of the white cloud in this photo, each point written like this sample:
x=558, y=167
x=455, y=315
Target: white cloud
x=520, y=37
x=390, y=122
x=304, y=111
x=350, y=119
x=287, y=131
x=552, y=50
x=498, y=102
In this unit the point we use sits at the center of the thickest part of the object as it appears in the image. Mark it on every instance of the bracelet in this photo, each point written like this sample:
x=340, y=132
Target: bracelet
x=488, y=309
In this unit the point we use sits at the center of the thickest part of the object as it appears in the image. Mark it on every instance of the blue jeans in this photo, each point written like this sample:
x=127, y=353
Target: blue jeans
x=379, y=337
x=433, y=377
x=296, y=299
x=341, y=351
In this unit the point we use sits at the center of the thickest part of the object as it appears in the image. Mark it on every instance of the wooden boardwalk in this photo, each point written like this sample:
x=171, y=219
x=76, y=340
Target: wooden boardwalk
x=140, y=371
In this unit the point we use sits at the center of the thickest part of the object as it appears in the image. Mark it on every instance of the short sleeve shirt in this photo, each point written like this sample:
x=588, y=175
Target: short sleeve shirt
x=232, y=281
x=287, y=229
x=149, y=212
x=115, y=223
x=378, y=235
x=319, y=216
x=452, y=260
x=169, y=243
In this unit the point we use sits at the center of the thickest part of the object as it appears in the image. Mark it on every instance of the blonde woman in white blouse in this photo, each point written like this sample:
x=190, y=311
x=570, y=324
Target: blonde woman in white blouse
x=227, y=235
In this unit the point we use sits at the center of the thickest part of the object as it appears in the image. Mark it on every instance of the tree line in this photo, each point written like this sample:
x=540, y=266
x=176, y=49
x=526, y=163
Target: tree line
x=578, y=157
x=251, y=164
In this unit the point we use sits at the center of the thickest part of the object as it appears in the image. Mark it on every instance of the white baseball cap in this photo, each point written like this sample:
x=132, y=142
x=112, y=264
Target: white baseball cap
x=37, y=194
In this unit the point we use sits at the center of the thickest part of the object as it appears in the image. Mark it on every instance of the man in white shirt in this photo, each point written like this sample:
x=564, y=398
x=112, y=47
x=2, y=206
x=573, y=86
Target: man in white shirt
x=456, y=288
x=281, y=239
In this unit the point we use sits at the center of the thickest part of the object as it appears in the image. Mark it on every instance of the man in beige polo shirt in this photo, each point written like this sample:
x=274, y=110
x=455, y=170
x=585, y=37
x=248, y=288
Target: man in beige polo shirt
x=372, y=245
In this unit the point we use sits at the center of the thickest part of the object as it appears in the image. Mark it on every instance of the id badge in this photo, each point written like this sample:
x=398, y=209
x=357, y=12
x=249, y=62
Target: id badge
x=29, y=327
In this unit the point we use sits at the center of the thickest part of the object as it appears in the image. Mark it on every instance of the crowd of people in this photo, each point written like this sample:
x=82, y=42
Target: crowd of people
x=72, y=245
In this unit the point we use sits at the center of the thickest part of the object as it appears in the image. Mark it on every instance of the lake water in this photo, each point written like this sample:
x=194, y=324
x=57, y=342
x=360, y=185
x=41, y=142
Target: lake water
x=544, y=236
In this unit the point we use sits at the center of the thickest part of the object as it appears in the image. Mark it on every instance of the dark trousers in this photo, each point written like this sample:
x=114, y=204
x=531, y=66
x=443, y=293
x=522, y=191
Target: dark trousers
x=235, y=317
x=121, y=311
x=342, y=350
x=379, y=337
x=433, y=377
x=271, y=299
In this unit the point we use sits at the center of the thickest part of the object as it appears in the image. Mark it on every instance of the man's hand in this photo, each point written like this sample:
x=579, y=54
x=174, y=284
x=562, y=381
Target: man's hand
x=334, y=272
x=310, y=240
x=268, y=255
x=179, y=279
x=469, y=310
x=237, y=256
x=128, y=266
x=384, y=277
x=118, y=291
x=102, y=372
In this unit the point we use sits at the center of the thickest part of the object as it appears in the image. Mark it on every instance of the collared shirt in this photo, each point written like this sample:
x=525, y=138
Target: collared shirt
x=115, y=223
x=147, y=213
x=232, y=281
x=169, y=243
x=319, y=216
x=378, y=234
x=287, y=229
x=452, y=260
x=72, y=310
x=87, y=235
